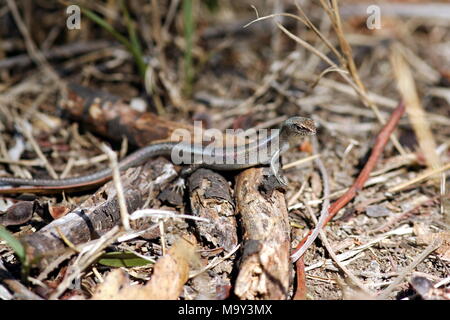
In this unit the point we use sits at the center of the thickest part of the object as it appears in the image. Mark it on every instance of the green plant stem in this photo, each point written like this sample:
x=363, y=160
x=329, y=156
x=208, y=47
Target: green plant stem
x=133, y=47
x=136, y=48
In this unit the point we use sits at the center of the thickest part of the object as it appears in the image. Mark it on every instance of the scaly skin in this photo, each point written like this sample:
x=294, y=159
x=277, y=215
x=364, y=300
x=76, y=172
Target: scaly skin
x=278, y=143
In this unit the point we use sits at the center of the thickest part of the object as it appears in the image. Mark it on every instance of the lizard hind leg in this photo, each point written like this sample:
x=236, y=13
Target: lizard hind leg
x=180, y=183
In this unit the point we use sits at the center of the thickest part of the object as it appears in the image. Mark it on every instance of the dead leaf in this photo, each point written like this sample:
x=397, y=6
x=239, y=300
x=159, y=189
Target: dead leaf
x=169, y=276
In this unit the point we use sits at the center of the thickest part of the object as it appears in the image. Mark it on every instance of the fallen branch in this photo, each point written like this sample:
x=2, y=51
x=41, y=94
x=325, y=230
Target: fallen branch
x=264, y=269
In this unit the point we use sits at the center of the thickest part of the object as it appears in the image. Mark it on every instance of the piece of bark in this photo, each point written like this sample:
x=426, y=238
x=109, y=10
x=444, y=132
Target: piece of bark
x=109, y=116
x=265, y=264
x=210, y=198
x=95, y=216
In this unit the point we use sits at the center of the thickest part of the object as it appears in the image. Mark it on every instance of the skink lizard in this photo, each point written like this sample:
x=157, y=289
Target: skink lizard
x=290, y=128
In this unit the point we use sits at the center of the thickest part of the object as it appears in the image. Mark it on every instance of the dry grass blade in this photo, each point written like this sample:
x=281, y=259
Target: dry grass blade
x=426, y=175
x=414, y=109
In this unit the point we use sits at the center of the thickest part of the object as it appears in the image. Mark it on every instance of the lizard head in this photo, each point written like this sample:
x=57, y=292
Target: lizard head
x=299, y=126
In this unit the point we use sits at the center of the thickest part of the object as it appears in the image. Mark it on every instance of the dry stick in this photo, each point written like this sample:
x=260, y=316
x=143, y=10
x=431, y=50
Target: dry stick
x=431, y=247
x=118, y=184
x=380, y=143
x=404, y=215
x=170, y=15
x=54, y=264
x=278, y=7
x=300, y=291
x=23, y=162
x=64, y=51
x=318, y=33
x=213, y=264
x=427, y=174
x=443, y=185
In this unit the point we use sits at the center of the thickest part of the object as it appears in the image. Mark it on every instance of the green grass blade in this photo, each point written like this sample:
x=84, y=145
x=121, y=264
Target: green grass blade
x=136, y=48
x=14, y=243
x=105, y=25
x=122, y=259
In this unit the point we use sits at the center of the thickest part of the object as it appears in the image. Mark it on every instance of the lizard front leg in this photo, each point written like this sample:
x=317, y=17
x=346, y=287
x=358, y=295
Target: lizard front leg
x=276, y=168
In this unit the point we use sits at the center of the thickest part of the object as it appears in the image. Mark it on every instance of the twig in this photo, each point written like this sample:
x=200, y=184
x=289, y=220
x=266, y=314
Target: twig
x=355, y=253
x=300, y=290
x=66, y=241
x=72, y=49
x=118, y=184
x=155, y=213
x=54, y=264
x=399, y=217
x=377, y=149
x=162, y=235
x=318, y=33
x=356, y=84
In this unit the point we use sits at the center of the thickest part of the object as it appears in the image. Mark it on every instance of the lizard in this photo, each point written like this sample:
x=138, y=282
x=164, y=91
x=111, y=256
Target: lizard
x=278, y=143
